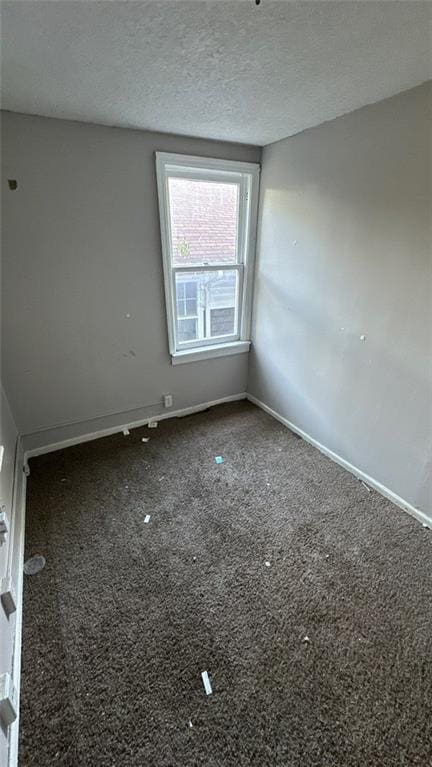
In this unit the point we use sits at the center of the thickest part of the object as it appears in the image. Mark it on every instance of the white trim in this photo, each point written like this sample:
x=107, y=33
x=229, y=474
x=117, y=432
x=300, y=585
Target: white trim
x=419, y=515
x=195, y=161
x=221, y=350
x=162, y=188
x=247, y=176
x=228, y=267
x=89, y=436
x=250, y=251
x=18, y=555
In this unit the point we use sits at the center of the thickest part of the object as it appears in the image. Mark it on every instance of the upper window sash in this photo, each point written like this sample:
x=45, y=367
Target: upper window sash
x=236, y=179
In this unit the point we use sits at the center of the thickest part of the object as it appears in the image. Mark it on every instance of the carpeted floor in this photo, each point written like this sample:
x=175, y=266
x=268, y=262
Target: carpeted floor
x=126, y=615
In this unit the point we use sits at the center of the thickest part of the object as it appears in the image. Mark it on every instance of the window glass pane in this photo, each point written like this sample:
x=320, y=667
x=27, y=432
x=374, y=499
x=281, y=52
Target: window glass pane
x=186, y=307
x=181, y=307
x=191, y=289
x=215, y=305
x=221, y=321
x=204, y=221
x=187, y=330
x=191, y=306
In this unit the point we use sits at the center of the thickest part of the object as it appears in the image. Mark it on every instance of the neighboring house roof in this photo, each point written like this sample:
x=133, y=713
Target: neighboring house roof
x=204, y=217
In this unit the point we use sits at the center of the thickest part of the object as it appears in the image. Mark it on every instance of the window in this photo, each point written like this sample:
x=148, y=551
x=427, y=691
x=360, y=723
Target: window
x=208, y=220
x=187, y=310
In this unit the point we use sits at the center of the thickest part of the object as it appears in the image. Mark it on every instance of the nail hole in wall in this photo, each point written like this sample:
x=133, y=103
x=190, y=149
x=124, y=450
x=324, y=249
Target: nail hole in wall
x=13, y=184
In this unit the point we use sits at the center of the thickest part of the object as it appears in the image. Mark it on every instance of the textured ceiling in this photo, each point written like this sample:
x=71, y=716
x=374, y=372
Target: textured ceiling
x=225, y=70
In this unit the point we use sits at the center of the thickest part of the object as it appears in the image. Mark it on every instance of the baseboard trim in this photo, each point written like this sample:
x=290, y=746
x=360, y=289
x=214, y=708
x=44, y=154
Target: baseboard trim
x=89, y=436
x=419, y=515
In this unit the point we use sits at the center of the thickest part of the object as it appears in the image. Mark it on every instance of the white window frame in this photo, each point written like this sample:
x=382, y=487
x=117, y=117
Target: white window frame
x=210, y=169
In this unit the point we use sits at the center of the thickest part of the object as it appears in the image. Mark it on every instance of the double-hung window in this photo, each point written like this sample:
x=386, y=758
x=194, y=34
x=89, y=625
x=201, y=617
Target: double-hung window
x=208, y=222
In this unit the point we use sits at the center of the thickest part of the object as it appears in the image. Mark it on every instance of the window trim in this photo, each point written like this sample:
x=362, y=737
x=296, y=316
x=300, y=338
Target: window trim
x=206, y=353
x=210, y=169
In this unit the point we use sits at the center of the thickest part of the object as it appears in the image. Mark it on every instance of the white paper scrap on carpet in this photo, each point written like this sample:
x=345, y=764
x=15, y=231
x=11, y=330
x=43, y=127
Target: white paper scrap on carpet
x=206, y=682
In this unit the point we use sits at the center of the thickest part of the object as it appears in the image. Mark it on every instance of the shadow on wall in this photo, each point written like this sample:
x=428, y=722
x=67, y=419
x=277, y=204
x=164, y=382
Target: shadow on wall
x=319, y=361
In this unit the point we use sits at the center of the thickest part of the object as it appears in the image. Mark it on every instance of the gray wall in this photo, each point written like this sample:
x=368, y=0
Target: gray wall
x=81, y=250
x=344, y=251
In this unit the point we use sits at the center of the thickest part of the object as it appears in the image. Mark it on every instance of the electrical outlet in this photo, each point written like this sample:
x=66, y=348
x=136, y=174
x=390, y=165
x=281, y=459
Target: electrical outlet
x=168, y=400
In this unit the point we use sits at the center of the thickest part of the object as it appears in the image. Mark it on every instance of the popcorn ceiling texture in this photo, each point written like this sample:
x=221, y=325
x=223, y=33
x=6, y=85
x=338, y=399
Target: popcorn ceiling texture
x=224, y=70
x=239, y=563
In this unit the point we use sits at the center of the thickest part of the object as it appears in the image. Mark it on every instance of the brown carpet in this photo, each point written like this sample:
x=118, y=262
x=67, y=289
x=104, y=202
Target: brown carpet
x=126, y=615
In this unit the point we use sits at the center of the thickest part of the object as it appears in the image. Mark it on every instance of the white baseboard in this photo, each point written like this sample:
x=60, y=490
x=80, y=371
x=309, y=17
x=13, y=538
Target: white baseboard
x=89, y=436
x=389, y=494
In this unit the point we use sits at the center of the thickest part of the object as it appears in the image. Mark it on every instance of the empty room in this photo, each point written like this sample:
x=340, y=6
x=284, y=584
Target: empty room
x=216, y=383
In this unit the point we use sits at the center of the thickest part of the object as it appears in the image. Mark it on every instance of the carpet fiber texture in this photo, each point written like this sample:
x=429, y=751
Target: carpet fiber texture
x=307, y=599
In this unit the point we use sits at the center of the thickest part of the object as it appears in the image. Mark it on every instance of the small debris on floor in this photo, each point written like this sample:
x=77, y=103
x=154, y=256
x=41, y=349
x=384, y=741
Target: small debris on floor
x=365, y=485
x=126, y=432
x=327, y=556
x=267, y=564
x=190, y=723
x=152, y=424
x=306, y=639
x=426, y=526
x=147, y=519
x=206, y=682
x=161, y=478
x=219, y=458
x=34, y=565
x=268, y=484
x=63, y=479
x=194, y=559
x=145, y=439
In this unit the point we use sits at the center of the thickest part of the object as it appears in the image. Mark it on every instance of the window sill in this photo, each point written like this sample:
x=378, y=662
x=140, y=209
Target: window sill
x=207, y=352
